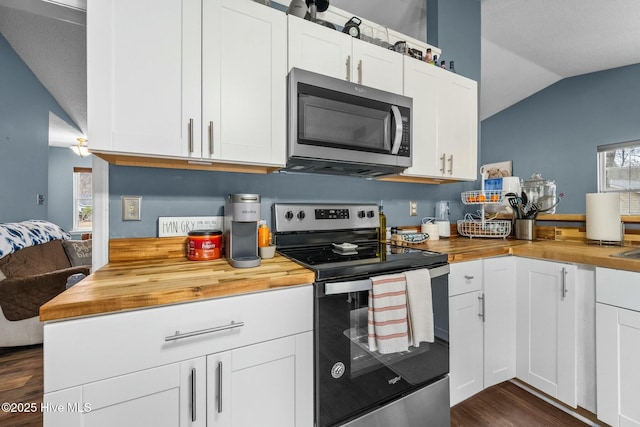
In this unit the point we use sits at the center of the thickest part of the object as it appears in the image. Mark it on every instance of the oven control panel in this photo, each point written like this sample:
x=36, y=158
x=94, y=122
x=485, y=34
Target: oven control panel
x=323, y=217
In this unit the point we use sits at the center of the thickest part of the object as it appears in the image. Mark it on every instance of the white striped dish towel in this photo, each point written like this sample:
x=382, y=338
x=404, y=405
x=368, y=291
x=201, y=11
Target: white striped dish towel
x=387, y=314
x=419, y=306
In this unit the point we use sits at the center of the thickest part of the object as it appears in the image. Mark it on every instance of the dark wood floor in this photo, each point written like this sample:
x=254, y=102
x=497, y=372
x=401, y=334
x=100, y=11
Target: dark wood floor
x=503, y=405
x=21, y=383
x=506, y=405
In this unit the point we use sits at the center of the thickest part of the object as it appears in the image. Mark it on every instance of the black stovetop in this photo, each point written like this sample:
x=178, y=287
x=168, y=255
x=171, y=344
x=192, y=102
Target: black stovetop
x=367, y=259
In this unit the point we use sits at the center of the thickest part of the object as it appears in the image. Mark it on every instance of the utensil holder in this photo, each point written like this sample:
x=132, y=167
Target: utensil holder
x=525, y=229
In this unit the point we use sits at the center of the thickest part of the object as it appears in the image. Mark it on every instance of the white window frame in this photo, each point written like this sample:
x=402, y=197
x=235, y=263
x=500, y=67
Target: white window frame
x=629, y=191
x=77, y=199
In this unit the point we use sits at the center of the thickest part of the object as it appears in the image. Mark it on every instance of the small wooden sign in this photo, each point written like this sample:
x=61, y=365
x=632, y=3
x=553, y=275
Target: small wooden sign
x=172, y=226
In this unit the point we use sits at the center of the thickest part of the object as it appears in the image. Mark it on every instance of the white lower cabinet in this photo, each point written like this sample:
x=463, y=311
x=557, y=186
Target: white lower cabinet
x=252, y=365
x=546, y=327
x=499, y=320
x=481, y=325
x=618, y=347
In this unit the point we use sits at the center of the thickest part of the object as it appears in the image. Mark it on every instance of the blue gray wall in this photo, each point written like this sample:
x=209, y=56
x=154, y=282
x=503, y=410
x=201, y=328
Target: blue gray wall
x=60, y=202
x=556, y=131
x=24, y=138
x=167, y=192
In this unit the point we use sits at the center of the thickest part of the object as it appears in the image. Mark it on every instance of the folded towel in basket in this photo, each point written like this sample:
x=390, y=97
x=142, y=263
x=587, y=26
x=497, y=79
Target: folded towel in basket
x=419, y=306
x=387, y=314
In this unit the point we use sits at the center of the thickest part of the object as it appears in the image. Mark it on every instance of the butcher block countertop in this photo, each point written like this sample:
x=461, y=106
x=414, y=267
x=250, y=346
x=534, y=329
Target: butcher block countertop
x=124, y=285
x=465, y=249
x=137, y=284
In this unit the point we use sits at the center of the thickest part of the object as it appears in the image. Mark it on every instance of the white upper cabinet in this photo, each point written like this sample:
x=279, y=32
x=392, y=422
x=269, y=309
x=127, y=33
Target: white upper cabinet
x=244, y=82
x=143, y=72
x=445, y=122
x=325, y=51
x=421, y=84
x=458, y=126
x=177, y=78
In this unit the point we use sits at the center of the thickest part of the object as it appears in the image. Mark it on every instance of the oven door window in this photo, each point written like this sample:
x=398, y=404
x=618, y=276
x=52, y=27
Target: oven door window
x=329, y=119
x=352, y=378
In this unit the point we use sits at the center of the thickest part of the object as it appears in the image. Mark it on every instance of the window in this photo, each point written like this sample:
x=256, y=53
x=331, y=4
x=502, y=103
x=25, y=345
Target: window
x=82, y=199
x=619, y=171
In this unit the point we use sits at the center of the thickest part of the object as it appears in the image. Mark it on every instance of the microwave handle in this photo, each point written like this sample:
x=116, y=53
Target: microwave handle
x=398, y=136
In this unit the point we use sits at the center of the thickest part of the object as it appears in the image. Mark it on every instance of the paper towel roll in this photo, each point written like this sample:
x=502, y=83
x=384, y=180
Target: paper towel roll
x=603, y=217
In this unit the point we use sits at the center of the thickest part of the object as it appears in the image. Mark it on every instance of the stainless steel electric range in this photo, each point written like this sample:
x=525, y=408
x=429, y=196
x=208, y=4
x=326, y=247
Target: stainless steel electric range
x=355, y=386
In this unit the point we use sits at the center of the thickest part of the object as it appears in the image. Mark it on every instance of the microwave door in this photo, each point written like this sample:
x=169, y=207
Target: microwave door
x=332, y=123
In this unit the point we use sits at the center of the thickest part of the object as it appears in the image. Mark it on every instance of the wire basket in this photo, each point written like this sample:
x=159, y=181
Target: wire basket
x=481, y=197
x=486, y=228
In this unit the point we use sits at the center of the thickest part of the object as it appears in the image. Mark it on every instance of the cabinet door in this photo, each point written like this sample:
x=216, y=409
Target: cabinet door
x=165, y=396
x=143, y=72
x=244, y=82
x=265, y=384
x=618, y=375
x=319, y=49
x=458, y=126
x=465, y=346
x=421, y=84
x=499, y=320
x=377, y=67
x=546, y=327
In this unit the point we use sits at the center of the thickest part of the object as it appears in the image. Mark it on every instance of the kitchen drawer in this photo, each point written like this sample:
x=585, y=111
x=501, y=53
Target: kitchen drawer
x=465, y=277
x=619, y=288
x=83, y=350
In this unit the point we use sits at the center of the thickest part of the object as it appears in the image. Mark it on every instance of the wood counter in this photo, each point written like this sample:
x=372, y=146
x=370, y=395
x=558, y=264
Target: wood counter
x=465, y=249
x=138, y=284
x=126, y=285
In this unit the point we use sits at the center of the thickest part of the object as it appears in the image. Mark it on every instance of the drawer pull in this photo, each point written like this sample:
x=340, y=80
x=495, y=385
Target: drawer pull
x=179, y=336
x=468, y=277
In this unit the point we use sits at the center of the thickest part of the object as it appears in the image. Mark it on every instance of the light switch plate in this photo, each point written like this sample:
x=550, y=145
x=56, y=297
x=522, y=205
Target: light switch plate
x=131, y=208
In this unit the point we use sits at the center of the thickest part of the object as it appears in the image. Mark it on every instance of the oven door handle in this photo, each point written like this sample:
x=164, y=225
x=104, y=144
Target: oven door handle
x=346, y=287
x=335, y=288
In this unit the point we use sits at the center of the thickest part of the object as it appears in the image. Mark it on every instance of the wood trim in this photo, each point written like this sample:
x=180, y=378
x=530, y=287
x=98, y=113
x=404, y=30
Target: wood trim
x=168, y=163
x=78, y=169
x=416, y=179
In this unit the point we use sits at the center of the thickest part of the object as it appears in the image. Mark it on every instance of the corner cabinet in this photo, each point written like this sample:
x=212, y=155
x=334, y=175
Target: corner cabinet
x=546, y=327
x=176, y=79
x=326, y=51
x=445, y=122
x=224, y=362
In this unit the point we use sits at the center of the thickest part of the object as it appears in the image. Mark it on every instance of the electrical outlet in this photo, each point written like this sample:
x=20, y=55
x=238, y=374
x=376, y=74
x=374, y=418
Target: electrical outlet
x=413, y=208
x=40, y=199
x=131, y=208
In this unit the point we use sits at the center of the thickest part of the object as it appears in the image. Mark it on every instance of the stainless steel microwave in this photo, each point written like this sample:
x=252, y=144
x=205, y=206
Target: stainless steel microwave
x=339, y=127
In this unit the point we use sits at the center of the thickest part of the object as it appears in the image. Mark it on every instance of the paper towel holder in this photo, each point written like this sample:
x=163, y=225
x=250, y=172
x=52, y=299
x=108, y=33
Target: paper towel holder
x=610, y=242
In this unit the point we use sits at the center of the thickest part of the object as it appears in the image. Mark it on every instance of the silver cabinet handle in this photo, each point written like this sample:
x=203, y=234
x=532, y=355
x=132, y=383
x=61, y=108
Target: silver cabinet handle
x=469, y=277
x=451, y=165
x=443, y=163
x=211, y=138
x=360, y=71
x=190, y=135
x=219, y=387
x=348, y=68
x=179, y=336
x=563, y=290
x=481, y=299
x=193, y=394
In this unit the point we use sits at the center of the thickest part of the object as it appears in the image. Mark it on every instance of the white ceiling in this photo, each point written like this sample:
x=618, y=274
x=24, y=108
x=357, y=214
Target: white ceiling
x=529, y=44
x=526, y=46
